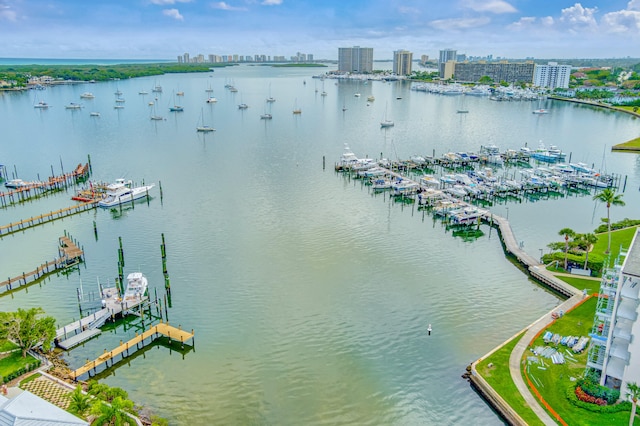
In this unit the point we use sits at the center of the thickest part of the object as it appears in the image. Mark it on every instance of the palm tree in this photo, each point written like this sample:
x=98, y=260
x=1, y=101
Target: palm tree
x=587, y=241
x=633, y=393
x=114, y=414
x=568, y=233
x=79, y=402
x=609, y=197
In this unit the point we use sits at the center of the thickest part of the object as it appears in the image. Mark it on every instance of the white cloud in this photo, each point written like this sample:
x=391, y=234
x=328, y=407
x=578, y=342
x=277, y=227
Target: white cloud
x=493, y=6
x=406, y=10
x=173, y=13
x=634, y=5
x=623, y=21
x=547, y=21
x=225, y=6
x=579, y=16
x=7, y=14
x=524, y=23
x=459, y=24
x=165, y=2
x=271, y=2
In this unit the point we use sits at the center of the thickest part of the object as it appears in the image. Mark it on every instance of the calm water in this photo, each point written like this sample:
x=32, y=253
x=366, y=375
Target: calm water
x=309, y=296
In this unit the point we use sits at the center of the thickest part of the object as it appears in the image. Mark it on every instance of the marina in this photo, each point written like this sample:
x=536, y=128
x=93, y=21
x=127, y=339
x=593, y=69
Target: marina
x=311, y=293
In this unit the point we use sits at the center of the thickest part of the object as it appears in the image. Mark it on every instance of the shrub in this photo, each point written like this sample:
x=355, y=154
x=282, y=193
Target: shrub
x=597, y=391
x=604, y=409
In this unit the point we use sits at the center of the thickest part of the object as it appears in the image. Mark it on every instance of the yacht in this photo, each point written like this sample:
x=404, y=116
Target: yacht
x=16, y=183
x=136, y=291
x=211, y=100
x=73, y=105
x=87, y=95
x=122, y=192
x=42, y=105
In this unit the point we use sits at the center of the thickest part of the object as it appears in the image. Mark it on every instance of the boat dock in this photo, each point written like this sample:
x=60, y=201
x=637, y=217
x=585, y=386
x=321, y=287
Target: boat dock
x=28, y=190
x=112, y=306
x=69, y=254
x=173, y=333
x=47, y=217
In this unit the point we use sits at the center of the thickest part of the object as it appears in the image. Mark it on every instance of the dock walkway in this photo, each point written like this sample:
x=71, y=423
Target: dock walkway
x=69, y=254
x=152, y=333
x=46, y=217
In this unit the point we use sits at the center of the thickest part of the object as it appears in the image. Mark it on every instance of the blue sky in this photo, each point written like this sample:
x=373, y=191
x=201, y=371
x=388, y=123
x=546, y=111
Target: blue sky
x=155, y=29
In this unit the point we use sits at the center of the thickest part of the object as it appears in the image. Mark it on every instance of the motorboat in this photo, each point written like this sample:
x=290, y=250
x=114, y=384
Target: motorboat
x=243, y=106
x=540, y=111
x=266, y=116
x=176, y=108
x=16, y=183
x=137, y=289
x=122, y=192
x=94, y=114
x=386, y=123
x=87, y=95
x=143, y=92
x=211, y=100
x=371, y=98
x=205, y=129
x=73, y=105
x=41, y=105
x=380, y=184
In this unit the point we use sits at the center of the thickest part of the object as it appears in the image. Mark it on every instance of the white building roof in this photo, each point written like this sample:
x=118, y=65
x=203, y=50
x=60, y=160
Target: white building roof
x=27, y=409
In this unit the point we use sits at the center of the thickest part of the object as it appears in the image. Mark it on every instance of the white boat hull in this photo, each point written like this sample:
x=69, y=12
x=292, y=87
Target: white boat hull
x=126, y=197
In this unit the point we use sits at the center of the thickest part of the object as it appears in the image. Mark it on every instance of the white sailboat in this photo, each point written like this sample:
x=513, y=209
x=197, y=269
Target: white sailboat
x=155, y=116
x=296, y=110
x=385, y=121
x=204, y=128
x=270, y=99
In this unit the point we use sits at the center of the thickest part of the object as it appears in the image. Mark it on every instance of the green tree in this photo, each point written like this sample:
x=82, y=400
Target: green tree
x=485, y=79
x=113, y=414
x=28, y=329
x=633, y=393
x=586, y=242
x=609, y=197
x=79, y=402
x=568, y=233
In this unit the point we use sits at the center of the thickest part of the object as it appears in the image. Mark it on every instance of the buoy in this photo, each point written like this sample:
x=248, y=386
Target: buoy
x=429, y=329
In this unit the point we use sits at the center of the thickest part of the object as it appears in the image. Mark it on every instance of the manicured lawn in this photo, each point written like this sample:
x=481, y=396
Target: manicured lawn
x=6, y=345
x=592, y=286
x=554, y=379
x=632, y=144
x=621, y=237
x=14, y=362
x=499, y=378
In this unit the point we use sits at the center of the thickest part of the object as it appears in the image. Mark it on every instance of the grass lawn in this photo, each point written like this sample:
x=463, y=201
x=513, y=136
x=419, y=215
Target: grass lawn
x=14, y=362
x=592, y=286
x=499, y=378
x=554, y=379
x=621, y=237
x=6, y=345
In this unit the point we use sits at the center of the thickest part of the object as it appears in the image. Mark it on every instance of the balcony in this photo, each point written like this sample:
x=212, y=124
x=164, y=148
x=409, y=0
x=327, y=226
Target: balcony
x=619, y=350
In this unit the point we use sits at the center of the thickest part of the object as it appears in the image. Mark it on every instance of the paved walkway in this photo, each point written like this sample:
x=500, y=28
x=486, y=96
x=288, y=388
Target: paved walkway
x=518, y=353
x=49, y=390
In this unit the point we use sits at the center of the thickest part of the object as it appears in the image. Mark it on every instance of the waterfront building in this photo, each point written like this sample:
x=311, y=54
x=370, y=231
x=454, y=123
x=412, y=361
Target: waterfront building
x=402, y=61
x=446, y=55
x=552, y=75
x=185, y=58
x=497, y=71
x=179, y=59
x=355, y=59
x=614, y=350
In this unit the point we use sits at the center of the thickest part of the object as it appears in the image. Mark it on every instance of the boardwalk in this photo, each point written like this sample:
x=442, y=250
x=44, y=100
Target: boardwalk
x=165, y=329
x=47, y=217
x=69, y=254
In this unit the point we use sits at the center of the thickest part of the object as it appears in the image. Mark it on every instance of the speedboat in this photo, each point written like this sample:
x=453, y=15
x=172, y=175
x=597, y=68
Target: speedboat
x=211, y=100
x=122, y=192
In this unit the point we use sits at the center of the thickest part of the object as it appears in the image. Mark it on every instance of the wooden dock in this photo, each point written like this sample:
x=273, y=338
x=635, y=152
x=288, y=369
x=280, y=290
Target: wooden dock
x=123, y=349
x=69, y=254
x=47, y=217
x=38, y=188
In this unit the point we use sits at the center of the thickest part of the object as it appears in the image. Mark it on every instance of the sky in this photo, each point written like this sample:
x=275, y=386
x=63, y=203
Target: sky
x=164, y=29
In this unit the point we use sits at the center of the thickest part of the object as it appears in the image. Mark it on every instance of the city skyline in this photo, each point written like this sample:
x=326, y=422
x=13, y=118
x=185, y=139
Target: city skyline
x=162, y=29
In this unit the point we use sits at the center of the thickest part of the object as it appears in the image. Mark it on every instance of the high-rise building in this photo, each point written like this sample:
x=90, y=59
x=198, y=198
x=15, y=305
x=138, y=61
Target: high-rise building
x=446, y=55
x=355, y=59
x=552, y=75
x=498, y=71
x=614, y=351
x=179, y=59
x=185, y=58
x=402, y=60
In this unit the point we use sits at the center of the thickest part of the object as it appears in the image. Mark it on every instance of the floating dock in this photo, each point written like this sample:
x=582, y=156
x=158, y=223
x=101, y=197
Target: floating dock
x=69, y=254
x=173, y=333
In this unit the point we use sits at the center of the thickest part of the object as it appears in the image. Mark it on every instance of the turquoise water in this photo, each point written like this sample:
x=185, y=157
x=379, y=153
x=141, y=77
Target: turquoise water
x=309, y=295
